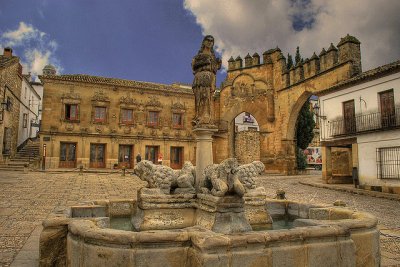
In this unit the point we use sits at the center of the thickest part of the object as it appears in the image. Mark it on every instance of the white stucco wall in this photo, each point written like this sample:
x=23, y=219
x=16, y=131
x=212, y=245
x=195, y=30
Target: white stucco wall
x=29, y=105
x=366, y=100
x=367, y=161
x=244, y=126
x=365, y=96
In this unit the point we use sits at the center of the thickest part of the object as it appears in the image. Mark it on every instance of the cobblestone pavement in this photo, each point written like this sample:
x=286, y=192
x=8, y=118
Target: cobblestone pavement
x=26, y=199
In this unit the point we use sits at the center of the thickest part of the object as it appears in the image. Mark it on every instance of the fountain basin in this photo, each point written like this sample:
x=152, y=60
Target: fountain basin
x=323, y=236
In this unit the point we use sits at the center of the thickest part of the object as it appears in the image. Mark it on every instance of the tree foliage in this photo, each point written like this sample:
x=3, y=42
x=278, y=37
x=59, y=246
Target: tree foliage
x=305, y=126
x=301, y=159
x=289, y=61
x=297, y=58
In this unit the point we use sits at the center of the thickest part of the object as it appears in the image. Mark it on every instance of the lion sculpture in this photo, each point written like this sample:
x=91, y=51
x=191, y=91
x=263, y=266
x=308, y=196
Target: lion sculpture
x=166, y=179
x=228, y=178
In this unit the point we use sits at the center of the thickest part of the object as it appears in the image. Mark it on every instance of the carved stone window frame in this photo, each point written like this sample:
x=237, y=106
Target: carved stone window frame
x=70, y=101
x=105, y=105
x=150, y=124
x=178, y=108
x=126, y=123
x=128, y=102
x=153, y=105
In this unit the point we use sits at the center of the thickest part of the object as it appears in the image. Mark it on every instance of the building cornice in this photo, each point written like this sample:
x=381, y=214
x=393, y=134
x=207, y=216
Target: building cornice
x=114, y=82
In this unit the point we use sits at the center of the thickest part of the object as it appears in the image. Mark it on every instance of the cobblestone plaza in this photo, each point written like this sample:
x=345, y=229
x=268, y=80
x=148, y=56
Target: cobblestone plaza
x=26, y=199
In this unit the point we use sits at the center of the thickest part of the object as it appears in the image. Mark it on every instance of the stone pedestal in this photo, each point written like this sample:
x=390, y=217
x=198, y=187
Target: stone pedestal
x=222, y=214
x=158, y=211
x=256, y=209
x=204, y=156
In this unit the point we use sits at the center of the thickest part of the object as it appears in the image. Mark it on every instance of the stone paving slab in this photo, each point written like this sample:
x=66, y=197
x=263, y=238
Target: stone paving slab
x=26, y=199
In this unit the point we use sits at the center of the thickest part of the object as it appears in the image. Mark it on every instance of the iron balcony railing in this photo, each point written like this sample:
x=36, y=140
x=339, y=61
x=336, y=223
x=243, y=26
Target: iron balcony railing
x=364, y=123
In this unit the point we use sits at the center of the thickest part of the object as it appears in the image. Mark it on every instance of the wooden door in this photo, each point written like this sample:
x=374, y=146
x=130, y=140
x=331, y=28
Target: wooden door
x=97, y=155
x=349, y=116
x=388, y=118
x=67, y=155
x=152, y=154
x=125, y=157
x=176, y=157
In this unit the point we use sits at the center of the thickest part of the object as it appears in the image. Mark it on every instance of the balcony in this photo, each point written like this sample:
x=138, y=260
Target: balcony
x=363, y=123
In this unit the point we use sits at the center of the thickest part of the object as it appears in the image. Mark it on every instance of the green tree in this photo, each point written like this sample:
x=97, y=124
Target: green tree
x=301, y=159
x=289, y=61
x=297, y=58
x=304, y=134
x=305, y=126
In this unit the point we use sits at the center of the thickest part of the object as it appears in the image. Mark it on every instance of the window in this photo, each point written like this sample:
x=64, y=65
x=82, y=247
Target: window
x=177, y=120
x=25, y=120
x=388, y=162
x=127, y=116
x=100, y=114
x=153, y=118
x=71, y=112
x=152, y=153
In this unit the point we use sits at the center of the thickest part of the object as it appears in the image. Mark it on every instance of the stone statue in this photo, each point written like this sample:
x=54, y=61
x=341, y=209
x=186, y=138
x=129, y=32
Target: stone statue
x=247, y=172
x=220, y=179
x=228, y=178
x=165, y=180
x=205, y=65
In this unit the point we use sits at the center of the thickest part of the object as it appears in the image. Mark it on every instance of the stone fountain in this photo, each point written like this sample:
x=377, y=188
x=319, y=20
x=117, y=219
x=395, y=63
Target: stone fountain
x=207, y=215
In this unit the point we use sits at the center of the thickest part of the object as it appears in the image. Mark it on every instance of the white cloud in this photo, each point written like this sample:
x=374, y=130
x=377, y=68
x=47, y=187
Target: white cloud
x=23, y=33
x=242, y=27
x=34, y=47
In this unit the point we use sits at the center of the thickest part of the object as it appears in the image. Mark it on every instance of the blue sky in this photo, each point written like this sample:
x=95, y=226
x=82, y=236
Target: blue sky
x=155, y=40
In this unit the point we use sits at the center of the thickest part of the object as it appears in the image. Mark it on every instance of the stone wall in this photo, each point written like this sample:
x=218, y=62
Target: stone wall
x=10, y=77
x=247, y=146
x=275, y=95
x=88, y=92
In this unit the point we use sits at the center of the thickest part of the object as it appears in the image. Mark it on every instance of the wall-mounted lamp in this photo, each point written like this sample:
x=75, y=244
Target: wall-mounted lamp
x=316, y=109
x=6, y=104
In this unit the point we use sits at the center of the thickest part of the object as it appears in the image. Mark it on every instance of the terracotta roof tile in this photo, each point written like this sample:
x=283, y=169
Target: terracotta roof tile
x=115, y=82
x=366, y=76
x=5, y=61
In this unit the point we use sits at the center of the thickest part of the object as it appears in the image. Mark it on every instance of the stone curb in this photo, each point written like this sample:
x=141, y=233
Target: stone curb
x=354, y=190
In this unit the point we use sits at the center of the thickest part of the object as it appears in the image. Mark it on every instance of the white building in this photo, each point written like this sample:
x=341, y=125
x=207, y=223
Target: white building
x=360, y=128
x=30, y=104
x=245, y=121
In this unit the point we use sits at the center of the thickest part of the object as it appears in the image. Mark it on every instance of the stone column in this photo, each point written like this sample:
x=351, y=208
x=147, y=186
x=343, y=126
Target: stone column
x=204, y=156
x=326, y=164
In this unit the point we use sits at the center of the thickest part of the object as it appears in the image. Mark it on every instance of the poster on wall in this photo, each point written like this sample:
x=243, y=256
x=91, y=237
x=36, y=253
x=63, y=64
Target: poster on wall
x=313, y=155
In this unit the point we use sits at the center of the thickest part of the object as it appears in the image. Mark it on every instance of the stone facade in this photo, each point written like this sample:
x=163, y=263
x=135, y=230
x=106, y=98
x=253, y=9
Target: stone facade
x=10, y=92
x=274, y=96
x=247, y=146
x=105, y=122
x=268, y=91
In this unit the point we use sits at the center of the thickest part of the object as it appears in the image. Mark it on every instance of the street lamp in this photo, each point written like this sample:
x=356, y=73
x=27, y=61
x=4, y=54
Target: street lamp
x=316, y=110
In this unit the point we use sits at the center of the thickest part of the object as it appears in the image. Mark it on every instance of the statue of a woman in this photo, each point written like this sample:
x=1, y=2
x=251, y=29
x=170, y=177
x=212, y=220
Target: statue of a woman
x=205, y=65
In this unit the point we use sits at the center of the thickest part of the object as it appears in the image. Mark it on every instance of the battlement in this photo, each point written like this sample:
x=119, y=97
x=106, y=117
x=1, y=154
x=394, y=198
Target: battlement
x=348, y=49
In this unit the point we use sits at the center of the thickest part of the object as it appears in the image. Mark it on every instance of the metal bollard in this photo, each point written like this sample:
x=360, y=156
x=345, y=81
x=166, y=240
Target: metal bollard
x=81, y=170
x=123, y=171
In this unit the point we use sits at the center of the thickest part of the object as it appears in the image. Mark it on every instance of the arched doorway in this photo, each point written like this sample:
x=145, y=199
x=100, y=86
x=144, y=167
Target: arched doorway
x=246, y=138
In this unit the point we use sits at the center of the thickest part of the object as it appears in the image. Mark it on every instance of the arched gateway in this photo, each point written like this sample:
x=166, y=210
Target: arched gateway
x=275, y=95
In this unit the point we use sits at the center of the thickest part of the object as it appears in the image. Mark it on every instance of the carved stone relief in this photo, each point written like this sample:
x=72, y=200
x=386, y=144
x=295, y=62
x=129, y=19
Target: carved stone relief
x=100, y=96
x=69, y=127
x=71, y=94
x=153, y=103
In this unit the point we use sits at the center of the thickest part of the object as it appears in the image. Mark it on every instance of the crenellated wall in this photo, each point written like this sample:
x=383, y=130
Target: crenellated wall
x=274, y=95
